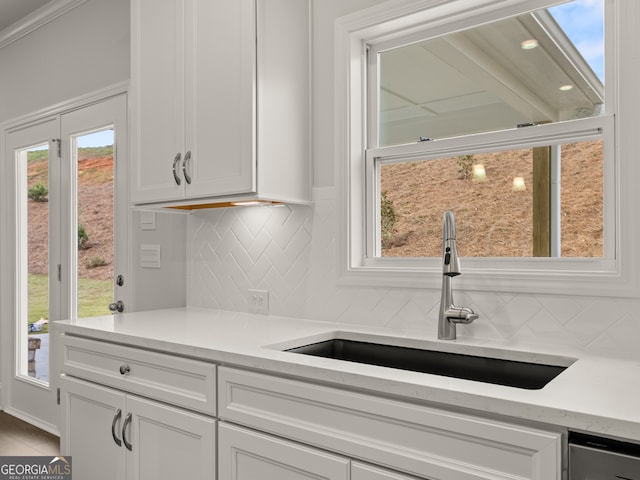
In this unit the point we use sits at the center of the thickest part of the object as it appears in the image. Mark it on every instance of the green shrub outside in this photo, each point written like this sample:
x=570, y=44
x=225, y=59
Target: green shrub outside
x=38, y=192
x=388, y=219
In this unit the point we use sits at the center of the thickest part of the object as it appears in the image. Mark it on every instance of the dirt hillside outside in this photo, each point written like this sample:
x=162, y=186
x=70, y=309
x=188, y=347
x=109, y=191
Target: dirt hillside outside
x=492, y=219
x=95, y=195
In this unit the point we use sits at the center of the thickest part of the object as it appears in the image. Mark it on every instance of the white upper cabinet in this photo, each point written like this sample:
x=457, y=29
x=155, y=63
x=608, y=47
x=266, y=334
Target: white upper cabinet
x=220, y=101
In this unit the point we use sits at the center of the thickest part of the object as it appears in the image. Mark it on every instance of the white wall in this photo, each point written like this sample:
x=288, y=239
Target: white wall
x=291, y=251
x=325, y=14
x=80, y=52
x=163, y=287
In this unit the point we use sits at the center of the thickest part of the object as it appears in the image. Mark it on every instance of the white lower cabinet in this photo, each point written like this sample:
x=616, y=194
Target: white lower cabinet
x=133, y=414
x=245, y=454
x=114, y=435
x=88, y=413
x=248, y=455
x=416, y=440
x=360, y=471
x=169, y=443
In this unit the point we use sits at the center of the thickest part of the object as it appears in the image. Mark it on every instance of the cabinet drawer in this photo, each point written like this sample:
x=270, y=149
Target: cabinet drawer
x=179, y=381
x=415, y=439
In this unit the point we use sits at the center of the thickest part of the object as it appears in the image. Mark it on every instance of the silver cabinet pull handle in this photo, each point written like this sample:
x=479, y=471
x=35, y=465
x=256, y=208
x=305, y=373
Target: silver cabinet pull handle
x=187, y=159
x=176, y=160
x=116, y=419
x=126, y=423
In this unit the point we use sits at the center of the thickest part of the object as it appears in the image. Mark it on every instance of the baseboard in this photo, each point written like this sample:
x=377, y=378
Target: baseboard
x=36, y=422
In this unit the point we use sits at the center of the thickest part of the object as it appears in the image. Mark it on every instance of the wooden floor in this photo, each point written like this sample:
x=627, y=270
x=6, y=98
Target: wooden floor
x=18, y=438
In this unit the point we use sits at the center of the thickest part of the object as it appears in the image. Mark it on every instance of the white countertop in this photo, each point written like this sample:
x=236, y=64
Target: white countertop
x=595, y=394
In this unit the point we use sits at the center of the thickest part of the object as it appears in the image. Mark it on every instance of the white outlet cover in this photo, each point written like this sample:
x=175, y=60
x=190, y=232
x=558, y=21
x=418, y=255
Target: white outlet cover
x=258, y=301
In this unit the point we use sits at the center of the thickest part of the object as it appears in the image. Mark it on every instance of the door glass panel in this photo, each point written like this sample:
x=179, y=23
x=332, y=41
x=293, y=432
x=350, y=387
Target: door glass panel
x=94, y=193
x=33, y=262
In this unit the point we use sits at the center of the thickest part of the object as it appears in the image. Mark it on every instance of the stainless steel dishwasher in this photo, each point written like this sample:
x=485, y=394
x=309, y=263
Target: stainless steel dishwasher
x=596, y=458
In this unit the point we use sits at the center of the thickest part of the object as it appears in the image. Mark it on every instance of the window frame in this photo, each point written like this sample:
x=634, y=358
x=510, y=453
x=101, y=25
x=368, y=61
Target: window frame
x=614, y=275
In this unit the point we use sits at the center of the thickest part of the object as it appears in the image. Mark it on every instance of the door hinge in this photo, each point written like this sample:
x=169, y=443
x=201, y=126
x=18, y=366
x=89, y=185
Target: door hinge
x=59, y=272
x=59, y=143
x=58, y=395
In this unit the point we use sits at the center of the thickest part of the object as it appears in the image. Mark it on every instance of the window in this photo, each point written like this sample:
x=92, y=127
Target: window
x=516, y=72
x=498, y=112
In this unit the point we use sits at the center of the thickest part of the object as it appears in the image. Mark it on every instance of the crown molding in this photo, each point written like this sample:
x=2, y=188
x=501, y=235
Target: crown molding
x=36, y=19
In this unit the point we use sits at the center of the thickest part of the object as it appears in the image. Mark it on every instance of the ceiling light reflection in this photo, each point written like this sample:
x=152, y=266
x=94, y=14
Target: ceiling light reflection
x=478, y=172
x=518, y=184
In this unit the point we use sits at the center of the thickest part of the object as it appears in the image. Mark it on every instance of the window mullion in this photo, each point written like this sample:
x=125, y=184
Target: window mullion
x=373, y=237
x=535, y=136
x=372, y=92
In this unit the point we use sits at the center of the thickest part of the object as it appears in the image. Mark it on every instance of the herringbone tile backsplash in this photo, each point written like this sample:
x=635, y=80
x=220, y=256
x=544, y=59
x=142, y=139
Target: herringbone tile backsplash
x=291, y=252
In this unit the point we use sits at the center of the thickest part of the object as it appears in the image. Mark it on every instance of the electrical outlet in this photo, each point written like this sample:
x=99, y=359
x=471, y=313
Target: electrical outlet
x=259, y=301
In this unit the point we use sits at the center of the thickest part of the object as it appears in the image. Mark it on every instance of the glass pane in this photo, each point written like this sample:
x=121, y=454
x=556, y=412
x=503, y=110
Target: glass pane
x=507, y=204
x=540, y=67
x=94, y=154
x=34, y=307
x=582, y=200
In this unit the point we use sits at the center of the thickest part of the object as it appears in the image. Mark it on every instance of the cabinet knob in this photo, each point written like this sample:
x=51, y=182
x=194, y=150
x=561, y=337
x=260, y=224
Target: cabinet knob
x=124, y=369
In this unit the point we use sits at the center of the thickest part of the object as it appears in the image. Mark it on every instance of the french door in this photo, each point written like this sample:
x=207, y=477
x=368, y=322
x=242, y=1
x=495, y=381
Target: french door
x=67, y=248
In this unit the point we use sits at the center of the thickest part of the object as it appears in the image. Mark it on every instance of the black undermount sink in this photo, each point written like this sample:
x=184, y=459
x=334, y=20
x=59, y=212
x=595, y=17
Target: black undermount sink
x=512, y=373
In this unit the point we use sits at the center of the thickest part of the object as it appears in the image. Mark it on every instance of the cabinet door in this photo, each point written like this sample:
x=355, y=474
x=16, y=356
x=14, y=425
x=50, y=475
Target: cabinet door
x=361, y=471
x=91, y=425
x=167, y=442
x=220, y=93
x=157, y=89
x=248, y=455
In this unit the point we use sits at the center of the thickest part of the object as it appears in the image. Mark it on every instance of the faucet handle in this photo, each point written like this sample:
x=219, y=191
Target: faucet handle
x=467, y=315
x=470, y=317
x=461, y=315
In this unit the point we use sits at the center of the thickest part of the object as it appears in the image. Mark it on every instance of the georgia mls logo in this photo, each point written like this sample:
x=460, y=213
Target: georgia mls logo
x=35, y=468
x=60, y=466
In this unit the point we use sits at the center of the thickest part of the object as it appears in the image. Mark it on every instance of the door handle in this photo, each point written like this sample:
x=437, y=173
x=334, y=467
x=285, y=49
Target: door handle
x=116, y=419
x=117, y=306
x=176, y=160
x=185, y=163
x=127, y=422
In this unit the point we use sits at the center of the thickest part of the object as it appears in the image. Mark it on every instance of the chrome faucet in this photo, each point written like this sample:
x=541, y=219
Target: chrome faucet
x=450, y=315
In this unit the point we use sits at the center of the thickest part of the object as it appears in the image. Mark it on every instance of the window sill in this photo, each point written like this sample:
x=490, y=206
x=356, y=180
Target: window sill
x=550, y=276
